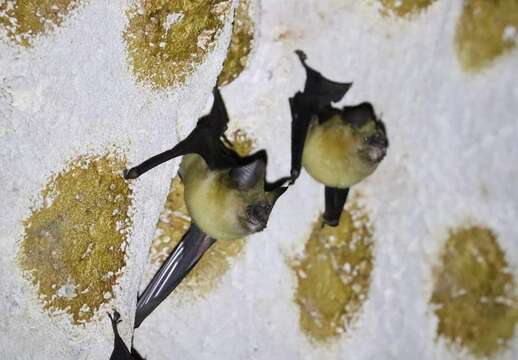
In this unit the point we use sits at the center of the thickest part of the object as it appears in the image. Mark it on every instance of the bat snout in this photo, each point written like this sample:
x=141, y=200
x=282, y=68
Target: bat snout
x=376, y=147
x=257, y=217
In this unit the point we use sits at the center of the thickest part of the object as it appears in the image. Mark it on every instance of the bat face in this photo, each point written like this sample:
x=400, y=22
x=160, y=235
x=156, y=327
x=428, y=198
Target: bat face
x=340, y=153
x=226, y=205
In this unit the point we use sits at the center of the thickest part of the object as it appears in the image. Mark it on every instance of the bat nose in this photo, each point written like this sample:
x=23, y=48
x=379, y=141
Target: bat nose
x=378, y=140
x=258, y=215
x=377, y=147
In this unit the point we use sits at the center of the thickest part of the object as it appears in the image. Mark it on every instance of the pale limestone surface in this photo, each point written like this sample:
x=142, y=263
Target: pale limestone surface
x=72, y=93
x=452, y=145
x=451, y=162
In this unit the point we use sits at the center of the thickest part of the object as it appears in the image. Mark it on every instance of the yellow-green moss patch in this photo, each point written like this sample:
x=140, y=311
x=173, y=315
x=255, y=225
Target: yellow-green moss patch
x=404, y=8
x=167, y=39
x=474, y=294
x=333, y=274
x=174, y=223
x=485, y=30
x=73, y=248
x=25, y=19
x=240, y=44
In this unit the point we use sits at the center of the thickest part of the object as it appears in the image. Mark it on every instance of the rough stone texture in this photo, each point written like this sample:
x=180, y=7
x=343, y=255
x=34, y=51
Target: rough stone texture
x=450, y=164
x=72, y=94
x=452, y=142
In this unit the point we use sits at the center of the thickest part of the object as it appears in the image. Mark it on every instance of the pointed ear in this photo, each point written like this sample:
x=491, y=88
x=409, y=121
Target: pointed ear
x=249, y=175
x=359, y=115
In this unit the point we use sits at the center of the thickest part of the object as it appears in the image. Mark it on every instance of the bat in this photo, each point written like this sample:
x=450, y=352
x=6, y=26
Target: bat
x=120, y=350
x=337, y=147
x=227, y=196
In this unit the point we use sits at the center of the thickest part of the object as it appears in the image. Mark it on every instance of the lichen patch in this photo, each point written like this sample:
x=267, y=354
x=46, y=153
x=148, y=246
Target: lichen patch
x=175, y=221
x=166, y=40
x=240, y=44
x=485, y=31
x=25, y=19
x=474, y=295
x=73, y=247
x=404, y=8
x=333, y=274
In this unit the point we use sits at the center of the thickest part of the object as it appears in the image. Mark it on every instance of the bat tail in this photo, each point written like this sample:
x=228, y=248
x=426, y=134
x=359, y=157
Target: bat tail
x=181, y=261
x=335, y=201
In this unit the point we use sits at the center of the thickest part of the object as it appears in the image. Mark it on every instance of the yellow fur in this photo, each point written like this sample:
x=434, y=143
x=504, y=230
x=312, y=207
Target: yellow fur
x=213, y=205
x=331, y=154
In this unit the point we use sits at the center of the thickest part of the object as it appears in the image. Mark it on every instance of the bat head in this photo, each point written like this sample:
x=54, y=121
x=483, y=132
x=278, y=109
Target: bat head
x=258, y=203
x=370, y=132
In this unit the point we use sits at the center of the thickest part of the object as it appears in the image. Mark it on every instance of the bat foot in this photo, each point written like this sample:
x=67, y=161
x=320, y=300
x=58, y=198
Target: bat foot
x=301, y=54
x=115, y=318
x=293, y=176
x=130, y=174
x=330, y=222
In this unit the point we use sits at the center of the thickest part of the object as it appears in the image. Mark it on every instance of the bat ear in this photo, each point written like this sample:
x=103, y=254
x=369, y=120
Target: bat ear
x=249, y=175
x=359, y=115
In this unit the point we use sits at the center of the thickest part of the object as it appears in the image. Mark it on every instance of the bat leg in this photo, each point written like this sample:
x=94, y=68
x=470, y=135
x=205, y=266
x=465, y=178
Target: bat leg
x=335, y=201
x=181, y=261
x=120, y=350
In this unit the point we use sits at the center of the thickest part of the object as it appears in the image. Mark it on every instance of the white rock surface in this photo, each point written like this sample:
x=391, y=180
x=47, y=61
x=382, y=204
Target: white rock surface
x=73, y=94
x=451, y=134
x=452, y=161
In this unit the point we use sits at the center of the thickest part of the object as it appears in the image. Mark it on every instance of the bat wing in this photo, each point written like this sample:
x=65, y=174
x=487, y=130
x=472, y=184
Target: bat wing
x=317, y=96
x=120, y=350
x=320, y=91
x=181, y=261
x=300, y=119
x=204, y=140
x=335, y=201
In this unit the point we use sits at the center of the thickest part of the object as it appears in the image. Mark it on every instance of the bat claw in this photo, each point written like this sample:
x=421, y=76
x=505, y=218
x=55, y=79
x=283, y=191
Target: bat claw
x=115, y=318
x=293, y=176
x=302, y=55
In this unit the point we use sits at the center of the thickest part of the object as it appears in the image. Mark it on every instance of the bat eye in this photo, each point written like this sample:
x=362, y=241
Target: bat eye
x=258, y=215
